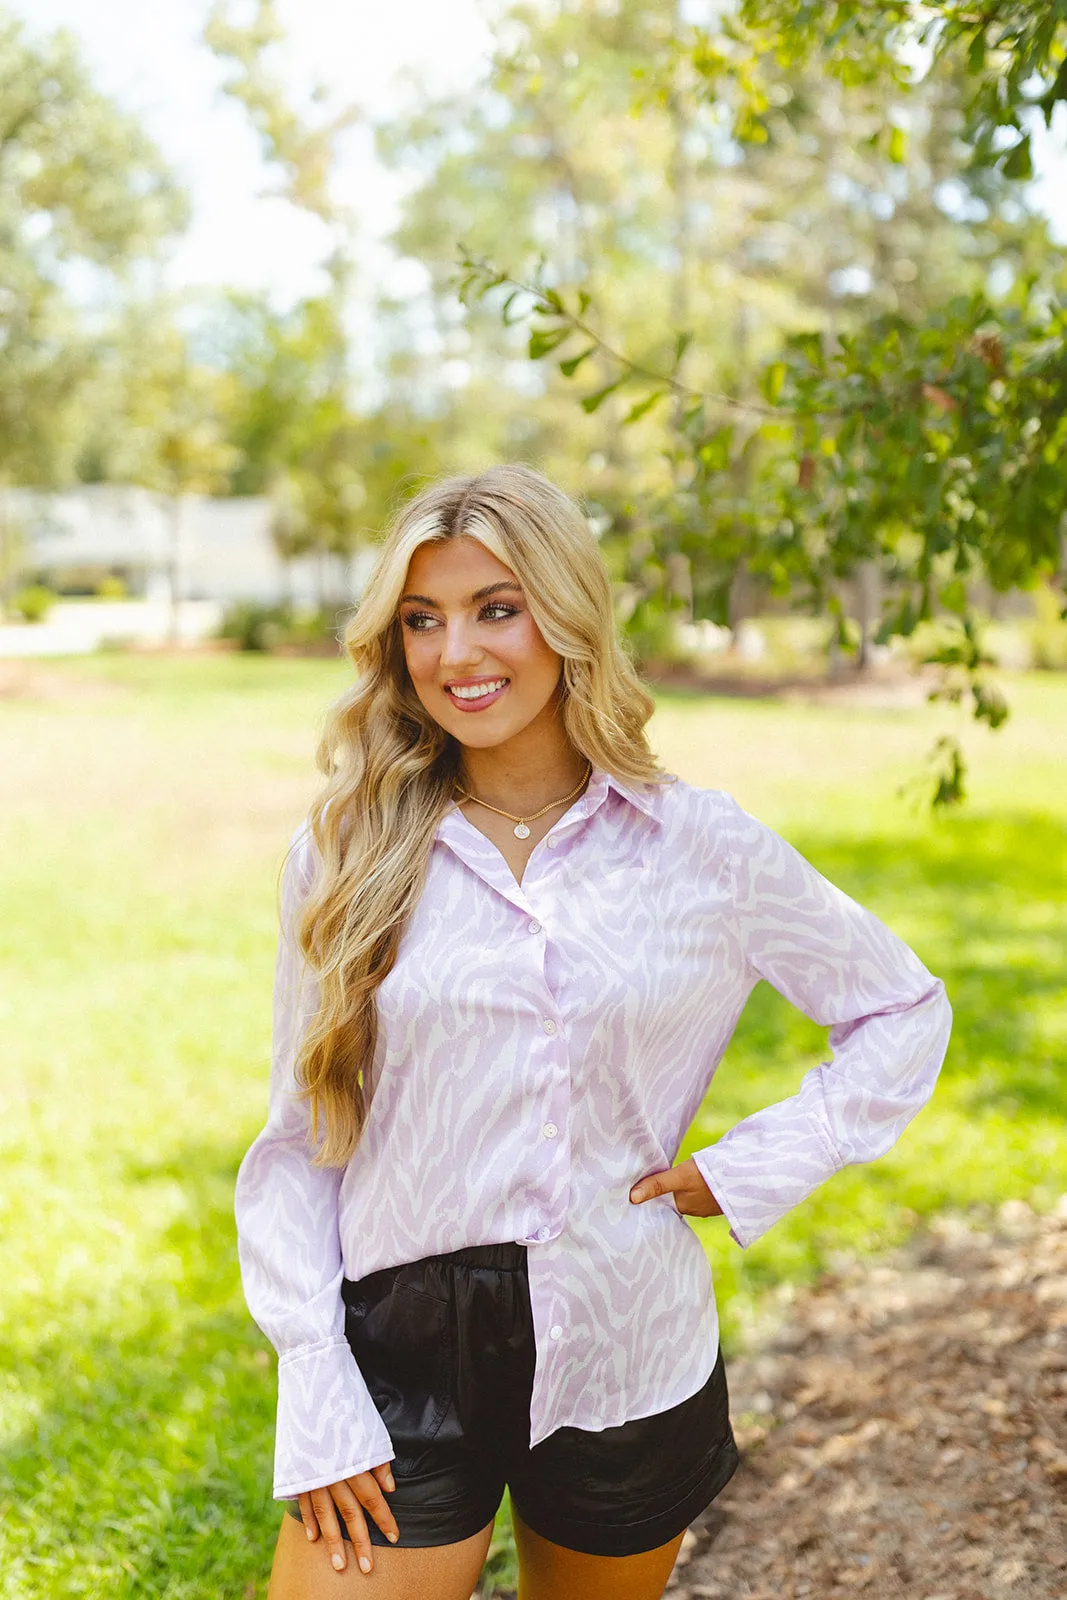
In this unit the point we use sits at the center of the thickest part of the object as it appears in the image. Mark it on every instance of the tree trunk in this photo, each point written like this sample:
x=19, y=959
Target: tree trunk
x=174, y=569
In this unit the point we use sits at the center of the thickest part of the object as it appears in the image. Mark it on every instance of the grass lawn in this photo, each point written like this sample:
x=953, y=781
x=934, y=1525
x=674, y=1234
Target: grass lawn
x=145, y=806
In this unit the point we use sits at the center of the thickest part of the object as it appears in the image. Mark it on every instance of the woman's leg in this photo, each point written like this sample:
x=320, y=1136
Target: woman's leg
x=549, y=1572
x=302, y=1570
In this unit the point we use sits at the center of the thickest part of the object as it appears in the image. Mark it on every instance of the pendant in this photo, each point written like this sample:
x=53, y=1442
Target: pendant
x=521, y=831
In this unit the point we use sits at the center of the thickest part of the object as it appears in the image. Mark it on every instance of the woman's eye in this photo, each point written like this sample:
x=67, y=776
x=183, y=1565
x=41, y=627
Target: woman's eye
x=495, y=611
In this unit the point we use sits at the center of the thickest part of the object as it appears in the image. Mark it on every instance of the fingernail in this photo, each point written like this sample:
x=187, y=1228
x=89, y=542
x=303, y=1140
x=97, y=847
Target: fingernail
x=364, y=1563
x=309, y=1532
x=389, y=1482
x=393, y=1537
x=339, y=1562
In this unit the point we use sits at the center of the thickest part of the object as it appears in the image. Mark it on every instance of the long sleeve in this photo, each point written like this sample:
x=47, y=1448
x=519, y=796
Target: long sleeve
x=889, y=1022
x=287, y=1225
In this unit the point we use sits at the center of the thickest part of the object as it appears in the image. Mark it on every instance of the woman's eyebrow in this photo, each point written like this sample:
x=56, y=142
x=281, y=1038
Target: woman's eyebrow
x=479, y=594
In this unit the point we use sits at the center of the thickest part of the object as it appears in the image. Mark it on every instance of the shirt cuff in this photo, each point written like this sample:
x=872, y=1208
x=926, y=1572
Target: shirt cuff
x=328, y=1426
x=763, y=1167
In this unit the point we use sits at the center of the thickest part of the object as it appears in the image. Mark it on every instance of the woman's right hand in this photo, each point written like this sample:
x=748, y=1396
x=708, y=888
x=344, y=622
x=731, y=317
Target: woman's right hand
x=319, y=1508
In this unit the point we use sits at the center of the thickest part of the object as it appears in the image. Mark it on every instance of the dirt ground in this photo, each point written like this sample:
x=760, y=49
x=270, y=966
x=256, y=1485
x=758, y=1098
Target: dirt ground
x=904, y=1431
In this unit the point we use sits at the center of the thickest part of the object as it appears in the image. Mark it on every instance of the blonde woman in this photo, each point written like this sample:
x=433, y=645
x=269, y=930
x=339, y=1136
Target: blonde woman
x=513, y=953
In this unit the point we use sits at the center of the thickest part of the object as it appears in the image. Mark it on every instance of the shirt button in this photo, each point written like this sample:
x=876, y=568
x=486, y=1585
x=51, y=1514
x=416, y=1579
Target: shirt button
x=548, y=1025
x=555, y=1332
x=534, y=927
x=550, y=1130
x=544, y=1233
x=552, y=841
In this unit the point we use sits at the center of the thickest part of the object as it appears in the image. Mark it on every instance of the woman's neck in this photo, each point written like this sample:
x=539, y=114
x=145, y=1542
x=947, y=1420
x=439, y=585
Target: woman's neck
x=523, y=779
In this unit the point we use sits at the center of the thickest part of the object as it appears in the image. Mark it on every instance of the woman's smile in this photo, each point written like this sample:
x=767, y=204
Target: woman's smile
x=474, y=694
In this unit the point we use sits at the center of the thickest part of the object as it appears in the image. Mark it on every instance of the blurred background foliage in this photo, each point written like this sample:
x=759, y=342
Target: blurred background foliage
x=796, y=331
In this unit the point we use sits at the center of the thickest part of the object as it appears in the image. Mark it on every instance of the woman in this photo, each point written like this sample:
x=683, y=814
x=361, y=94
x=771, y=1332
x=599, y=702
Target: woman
x=514, y=951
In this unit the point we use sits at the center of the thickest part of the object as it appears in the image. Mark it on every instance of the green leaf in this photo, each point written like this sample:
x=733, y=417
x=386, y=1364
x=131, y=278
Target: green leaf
x=989, y=704
x=953, y=596
x=1057, y=92
x=571, y=365
x=898, y=145
x=592, y=402
x=544, y=340
x=636, y=412
x=510, y=321
x=1019, y=163
x=773, y=379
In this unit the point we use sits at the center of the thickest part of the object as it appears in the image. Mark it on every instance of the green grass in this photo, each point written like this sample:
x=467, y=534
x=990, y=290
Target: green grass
x=145, y=806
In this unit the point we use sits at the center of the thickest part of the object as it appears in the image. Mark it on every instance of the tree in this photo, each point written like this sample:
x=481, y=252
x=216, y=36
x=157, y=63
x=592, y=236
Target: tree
x=921, y=434
x=81, y=186
x=159, y=419
x=299, y=433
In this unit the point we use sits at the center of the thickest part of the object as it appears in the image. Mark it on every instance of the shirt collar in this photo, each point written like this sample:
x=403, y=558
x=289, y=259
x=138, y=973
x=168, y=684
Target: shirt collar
x=645, y=797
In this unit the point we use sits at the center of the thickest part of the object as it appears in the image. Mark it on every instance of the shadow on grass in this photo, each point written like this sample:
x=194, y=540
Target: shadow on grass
x=144, y=1466
x=982, y=900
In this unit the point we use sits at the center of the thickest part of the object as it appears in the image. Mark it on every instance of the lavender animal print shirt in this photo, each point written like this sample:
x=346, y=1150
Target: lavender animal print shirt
x=541, y=1047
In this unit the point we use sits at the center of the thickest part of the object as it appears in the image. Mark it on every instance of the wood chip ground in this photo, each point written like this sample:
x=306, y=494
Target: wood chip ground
x=904, y=1432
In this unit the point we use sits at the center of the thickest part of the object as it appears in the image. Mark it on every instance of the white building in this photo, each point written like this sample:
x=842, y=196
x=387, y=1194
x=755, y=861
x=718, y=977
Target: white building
x=195, y=549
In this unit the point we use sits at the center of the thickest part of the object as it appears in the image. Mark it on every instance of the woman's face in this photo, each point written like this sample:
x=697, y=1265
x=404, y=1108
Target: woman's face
x=477, y=660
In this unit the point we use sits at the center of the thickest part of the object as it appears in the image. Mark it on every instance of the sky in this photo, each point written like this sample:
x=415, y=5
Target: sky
x=149, y=56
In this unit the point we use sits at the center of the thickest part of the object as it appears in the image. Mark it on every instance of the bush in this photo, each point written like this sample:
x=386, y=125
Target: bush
x=655, y=637
x=253, y=626
x=34, y=602
x=1048, y=631
x=112, y=587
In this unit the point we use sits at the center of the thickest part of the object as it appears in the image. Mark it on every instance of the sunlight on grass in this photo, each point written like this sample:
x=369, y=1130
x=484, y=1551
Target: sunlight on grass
x=147, y=804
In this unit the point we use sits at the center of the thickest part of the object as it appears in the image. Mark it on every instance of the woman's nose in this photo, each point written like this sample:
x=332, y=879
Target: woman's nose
x=458, y=648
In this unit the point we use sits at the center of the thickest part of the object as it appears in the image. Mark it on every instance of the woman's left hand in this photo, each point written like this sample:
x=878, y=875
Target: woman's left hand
x=692, y=1197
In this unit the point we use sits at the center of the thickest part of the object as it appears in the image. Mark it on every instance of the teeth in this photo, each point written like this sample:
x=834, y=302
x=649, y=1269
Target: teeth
x=476, y=691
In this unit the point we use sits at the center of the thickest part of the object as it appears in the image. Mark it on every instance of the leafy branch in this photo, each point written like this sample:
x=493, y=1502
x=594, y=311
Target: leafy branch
x=477, y=278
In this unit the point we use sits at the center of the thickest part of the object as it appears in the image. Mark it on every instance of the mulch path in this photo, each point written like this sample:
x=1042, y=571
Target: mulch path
x=904, y=1432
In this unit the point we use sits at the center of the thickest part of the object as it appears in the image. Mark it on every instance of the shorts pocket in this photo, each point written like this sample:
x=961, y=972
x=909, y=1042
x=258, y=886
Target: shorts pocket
x=401, y=1338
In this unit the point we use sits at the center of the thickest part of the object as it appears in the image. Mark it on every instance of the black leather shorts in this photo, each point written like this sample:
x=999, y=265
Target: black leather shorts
x=446, y=1347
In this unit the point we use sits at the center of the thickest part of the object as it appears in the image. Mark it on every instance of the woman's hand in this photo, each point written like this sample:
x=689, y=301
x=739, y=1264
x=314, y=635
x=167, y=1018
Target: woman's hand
x=692, y=1197
x=319, y=1508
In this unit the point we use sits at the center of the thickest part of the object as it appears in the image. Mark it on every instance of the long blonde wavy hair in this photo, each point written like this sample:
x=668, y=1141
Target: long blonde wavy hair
x=391, y=769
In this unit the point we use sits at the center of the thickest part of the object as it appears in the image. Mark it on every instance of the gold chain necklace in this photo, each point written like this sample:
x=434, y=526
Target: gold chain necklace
x=521, y=830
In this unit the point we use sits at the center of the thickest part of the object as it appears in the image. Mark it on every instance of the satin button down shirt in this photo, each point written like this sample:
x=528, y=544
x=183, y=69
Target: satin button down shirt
x=541, y=1047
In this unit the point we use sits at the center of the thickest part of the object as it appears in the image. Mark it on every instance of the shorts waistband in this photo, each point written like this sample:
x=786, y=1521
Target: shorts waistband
x=509, y=1256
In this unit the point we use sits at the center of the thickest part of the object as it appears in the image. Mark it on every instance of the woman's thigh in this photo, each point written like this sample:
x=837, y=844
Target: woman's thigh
x=302, y=1570
x=549, y=1572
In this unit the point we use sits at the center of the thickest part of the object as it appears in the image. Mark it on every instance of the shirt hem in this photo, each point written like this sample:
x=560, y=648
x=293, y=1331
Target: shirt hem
x=634, y=1416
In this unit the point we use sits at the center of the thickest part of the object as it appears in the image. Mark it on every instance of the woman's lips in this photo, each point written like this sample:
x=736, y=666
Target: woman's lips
x=480, y=701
